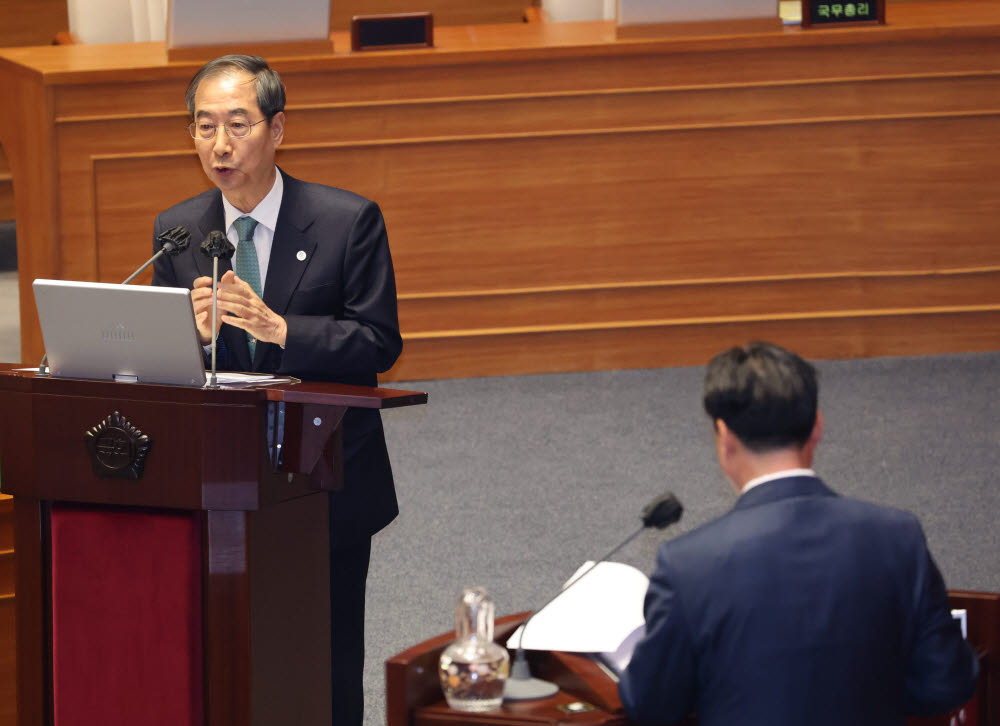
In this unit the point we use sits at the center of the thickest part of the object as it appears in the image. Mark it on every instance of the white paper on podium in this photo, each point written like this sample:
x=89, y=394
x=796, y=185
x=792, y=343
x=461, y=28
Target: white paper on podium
x=230, y=379
x=598, y=615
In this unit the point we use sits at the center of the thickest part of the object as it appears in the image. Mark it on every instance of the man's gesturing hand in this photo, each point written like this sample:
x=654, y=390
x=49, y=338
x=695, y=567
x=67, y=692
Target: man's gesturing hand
x=239, y=306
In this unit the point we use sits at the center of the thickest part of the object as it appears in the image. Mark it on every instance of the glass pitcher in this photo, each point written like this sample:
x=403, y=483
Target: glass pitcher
x=474, y=669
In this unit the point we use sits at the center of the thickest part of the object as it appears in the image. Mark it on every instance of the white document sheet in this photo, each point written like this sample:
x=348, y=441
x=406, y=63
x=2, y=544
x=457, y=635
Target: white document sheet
x=598, y=615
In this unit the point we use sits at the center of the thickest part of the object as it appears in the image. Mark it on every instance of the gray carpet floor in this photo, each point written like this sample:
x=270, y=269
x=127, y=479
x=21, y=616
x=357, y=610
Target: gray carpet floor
x=511, y=483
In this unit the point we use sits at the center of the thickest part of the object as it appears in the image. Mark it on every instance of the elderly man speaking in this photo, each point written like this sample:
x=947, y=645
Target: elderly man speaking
x=312, y=294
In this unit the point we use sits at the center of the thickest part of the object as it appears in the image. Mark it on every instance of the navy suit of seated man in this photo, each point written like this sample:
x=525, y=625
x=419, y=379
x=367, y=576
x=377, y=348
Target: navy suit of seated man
x=799, y=607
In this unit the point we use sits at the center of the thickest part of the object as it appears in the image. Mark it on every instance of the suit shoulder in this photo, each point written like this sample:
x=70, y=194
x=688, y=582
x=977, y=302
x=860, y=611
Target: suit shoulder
x=883, y=514
x=323, y=198
x=699, y=541
x=751, y=524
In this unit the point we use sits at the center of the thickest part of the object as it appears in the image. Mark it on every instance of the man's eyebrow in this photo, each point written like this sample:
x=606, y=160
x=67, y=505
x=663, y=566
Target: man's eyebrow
x=232, y=112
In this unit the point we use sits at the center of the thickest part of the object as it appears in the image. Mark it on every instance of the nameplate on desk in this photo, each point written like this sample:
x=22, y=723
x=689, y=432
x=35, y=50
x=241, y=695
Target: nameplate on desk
x=392, y=31
x=199, y=31
x=641, y=19
x=837, y=12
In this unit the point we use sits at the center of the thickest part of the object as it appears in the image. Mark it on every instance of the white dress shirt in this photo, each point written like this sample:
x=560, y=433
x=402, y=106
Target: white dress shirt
x=266, y=214
x=775, y=475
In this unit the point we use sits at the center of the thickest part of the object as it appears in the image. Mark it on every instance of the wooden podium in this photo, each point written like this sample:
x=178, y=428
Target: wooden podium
x=173, y=548
x=414, y=697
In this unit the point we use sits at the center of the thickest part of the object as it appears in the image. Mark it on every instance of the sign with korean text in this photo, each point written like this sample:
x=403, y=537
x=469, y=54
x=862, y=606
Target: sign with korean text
x=830, y=12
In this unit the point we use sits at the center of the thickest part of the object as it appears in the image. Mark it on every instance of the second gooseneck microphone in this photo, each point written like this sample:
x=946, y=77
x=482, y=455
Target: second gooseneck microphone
x=216, y=246
x=172, y=242
x=521, y=686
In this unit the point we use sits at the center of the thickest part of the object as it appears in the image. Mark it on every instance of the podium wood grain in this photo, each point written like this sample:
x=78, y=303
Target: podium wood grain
x=209, y=463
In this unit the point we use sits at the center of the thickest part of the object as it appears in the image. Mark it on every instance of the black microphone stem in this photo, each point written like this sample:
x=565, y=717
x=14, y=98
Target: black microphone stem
x=213, y=381
x=519, y=667
x=659, y=513
x=150, y=261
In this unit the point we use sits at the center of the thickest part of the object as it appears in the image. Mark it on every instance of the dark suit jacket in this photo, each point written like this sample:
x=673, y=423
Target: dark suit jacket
x=798, y=607
x=340, y=305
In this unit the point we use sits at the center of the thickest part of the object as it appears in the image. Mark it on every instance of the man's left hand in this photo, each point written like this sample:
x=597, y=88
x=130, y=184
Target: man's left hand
x=243, y=309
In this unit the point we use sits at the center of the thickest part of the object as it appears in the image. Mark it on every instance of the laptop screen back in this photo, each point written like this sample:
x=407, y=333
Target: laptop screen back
x=102, y=332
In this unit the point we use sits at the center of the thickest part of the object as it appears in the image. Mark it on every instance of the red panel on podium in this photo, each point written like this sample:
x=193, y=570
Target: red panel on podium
x=126, y=617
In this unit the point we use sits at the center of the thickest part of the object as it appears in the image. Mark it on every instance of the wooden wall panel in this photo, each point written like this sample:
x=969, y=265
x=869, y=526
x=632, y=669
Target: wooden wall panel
x=27, y=135
x=661, y=204
x=692, y=343
x=479, y=214
x=629, y=65
x=577, y=307
x=125, y=231
x=31, y=22
x=551, y=193
x=6, y=189
x=125, y=100
x=659, y=107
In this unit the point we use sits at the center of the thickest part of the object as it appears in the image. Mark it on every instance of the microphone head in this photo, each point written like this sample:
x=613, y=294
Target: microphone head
x=662, y=511
x=217, y=245
x=175, y=240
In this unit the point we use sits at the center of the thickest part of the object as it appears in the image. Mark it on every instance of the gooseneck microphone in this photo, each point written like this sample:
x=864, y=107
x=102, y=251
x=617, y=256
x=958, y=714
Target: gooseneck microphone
x=172, y=242
x=521, y=686
x=217, y=246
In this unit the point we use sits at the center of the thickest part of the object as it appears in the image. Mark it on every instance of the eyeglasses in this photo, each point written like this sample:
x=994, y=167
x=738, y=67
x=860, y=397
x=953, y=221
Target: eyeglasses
x=237, y=129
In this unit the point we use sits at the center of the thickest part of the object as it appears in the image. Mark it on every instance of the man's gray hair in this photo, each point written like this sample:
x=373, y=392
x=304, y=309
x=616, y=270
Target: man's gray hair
x=270, y=89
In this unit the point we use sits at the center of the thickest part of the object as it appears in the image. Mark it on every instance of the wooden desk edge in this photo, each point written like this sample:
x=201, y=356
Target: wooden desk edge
x=315, y=392
x=457, y=45
x=336, y=394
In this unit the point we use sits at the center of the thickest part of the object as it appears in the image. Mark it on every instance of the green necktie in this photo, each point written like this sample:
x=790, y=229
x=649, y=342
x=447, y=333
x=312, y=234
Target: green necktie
x=246, y=263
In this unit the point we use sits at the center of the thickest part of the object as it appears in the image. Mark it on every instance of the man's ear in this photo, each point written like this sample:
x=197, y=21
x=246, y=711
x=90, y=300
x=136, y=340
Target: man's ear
x=277, y=128
x=727, y=449
x=725, y=435
x=817, y=433
x=809, y=448
x=726, y=442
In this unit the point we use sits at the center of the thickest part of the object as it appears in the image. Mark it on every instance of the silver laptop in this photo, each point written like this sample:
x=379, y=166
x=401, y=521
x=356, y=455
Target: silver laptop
x=119, y=332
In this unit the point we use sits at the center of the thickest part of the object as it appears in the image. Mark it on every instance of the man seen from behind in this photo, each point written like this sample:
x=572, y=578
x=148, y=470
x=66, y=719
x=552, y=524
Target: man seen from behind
x=799, y=607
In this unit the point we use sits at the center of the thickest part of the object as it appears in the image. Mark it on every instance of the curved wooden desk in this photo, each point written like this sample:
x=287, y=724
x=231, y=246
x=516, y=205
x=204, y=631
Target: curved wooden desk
x=558, y=199
x=414, y=698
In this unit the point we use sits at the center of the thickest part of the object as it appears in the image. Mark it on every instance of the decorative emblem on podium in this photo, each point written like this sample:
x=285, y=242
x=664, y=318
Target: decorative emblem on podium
x=117, y=449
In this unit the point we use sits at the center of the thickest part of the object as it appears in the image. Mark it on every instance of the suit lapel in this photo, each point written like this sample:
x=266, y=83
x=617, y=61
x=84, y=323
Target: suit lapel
x=213, y=218
x=291, y=248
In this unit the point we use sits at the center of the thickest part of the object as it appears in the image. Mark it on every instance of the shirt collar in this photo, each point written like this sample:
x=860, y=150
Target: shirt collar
x=266, y=212
x=776, y=475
